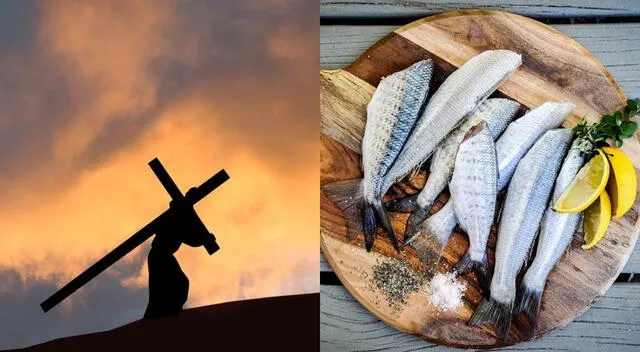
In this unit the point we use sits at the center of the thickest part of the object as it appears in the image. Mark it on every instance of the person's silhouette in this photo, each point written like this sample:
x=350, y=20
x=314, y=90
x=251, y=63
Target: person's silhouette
x=168, y=285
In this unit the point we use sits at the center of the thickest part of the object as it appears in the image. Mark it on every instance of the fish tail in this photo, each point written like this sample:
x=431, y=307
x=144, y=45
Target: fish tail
x=492, y=312
x=528, y=302
x=403, y=205
x=466, y=264
x=440, y=224
x=415, y=221
x=480, y=267
x=385, y=223
x=349, y=196
x=370, y=225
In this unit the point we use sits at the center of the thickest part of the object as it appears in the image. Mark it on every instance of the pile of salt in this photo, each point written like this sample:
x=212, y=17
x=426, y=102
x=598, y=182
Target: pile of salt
x=446, y=291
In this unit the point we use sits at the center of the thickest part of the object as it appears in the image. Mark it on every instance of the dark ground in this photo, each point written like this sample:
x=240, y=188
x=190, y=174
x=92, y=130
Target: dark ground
x=286, y=323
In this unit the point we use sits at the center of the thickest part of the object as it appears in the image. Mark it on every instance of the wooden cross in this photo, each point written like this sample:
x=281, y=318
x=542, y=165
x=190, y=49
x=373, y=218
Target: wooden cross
x=143, y=234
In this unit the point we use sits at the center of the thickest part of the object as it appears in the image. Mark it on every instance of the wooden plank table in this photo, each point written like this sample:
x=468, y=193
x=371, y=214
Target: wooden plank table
x=613, y=322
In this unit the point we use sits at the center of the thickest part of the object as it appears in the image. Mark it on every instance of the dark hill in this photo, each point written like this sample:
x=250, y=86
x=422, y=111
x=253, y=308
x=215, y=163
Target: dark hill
x=286, y=323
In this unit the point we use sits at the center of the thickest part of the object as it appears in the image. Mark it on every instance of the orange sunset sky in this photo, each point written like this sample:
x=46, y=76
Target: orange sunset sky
x=90, y=92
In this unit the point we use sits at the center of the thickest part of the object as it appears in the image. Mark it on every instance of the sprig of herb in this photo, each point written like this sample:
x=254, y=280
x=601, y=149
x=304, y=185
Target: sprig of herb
x=614, y=128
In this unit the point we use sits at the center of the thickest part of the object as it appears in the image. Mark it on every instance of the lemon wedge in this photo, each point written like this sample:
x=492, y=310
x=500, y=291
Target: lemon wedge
x=586, y=187
x=622, y=183
x=596, y=220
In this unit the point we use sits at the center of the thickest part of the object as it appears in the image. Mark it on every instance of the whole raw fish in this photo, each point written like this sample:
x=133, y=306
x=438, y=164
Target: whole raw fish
x=474, y=188
x=459, y=95
x=556, y=232
x=528, y=196
x=391, y=115
x=497, y=113
x=432, y=235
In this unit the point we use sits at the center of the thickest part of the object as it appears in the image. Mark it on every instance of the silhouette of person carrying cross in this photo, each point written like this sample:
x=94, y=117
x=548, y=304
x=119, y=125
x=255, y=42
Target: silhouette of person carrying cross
x=168, y=284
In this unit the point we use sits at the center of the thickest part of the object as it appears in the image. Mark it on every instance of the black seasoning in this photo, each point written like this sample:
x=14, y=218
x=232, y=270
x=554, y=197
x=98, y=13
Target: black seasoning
x=395, y=280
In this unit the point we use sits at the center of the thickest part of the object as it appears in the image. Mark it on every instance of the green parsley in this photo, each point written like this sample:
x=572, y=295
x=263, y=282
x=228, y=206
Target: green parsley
x=612, y=128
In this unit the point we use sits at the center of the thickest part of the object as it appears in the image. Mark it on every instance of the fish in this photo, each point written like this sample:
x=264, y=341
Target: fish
x=391, y=115
x=459, y=95
x=474, y=189
x=431, y=236
x=497, y=113
x=528, y=195
x=556, y=233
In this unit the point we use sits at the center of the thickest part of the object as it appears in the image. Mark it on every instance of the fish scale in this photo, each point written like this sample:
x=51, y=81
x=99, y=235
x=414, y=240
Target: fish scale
x=391, y=115
x=528, y=195
x=459, y=95
x=432, y=234
x=556, y=233
x=473, y=189
x=497, y=113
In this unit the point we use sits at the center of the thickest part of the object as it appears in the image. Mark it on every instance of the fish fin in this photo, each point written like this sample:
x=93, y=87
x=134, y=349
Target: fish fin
x=385, y=223
x=480, y=267
x=406, y=204
x=415, y=221
x=492, y=312
x=369, y=224
x=466, y=264
x=440, y=224
x=528, y=302
x=348, y=196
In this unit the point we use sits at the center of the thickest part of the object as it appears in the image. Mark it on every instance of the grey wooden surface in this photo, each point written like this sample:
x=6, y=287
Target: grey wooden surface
x=617, y=46
x=532, y=8
x=613, y=322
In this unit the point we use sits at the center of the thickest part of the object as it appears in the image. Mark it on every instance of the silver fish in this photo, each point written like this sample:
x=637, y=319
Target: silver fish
x=474, y=190
x=497, y=113
x=528, y=196
x=459, y=95
x=510, y=150
x=432, y=235
x=556, y=233
x=391, y=115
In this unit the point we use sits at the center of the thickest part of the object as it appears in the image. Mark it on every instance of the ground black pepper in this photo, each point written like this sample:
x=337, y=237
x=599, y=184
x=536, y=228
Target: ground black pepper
x=395, y=280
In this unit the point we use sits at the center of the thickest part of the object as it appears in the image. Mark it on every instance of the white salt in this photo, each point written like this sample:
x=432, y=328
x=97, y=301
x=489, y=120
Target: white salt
x=446, y=291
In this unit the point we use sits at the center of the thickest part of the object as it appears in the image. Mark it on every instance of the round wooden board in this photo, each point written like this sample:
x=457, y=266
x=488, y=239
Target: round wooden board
x=554, y=68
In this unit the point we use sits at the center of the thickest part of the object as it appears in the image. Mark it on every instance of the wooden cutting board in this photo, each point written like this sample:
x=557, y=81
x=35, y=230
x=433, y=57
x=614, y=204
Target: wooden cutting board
x=554, y=67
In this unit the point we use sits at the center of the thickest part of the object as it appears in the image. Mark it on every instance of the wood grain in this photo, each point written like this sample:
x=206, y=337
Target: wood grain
x=421, y=8
x=612, y=324
x=554, y=67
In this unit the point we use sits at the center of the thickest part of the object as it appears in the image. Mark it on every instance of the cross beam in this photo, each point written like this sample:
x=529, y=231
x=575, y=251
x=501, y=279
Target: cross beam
x=141, y=235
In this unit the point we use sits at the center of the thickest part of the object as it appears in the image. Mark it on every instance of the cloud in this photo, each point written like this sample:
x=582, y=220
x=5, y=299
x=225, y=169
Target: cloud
x=101, y=305
x=91, y=91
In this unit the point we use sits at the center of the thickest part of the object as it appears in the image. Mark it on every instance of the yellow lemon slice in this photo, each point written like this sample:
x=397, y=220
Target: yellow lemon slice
x=596, y=220
x=585, y=187
x=622, y=183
